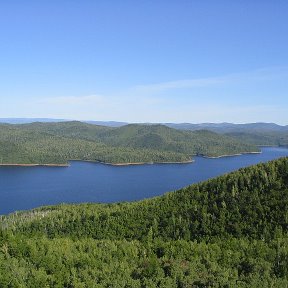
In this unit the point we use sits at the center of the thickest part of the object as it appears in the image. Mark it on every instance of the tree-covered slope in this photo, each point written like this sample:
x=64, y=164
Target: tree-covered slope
x=34, y=145
x=252, y=133
x=70, y=129
x=269, y=138
x=168, y=139
x=230, y=231
x=251, y=202
x=224, y=128
x=45, y=143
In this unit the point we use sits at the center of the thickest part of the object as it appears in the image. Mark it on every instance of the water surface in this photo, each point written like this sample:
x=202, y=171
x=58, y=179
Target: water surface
x=29, y=187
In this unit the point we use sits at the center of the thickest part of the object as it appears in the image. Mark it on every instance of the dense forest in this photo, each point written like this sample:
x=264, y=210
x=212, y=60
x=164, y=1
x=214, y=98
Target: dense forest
x=231, y=231
x=57, y=143
x=262, y=134
x=267, y=138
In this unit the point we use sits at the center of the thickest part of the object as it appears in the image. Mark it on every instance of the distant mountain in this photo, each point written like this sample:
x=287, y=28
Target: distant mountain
x=51, y=120
x=28, y=120
x=215, y=127
x=230, y=127
x=253, y=133
x=250, y=133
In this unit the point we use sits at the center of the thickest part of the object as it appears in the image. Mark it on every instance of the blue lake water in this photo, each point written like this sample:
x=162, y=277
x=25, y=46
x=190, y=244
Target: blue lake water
x=29, y=187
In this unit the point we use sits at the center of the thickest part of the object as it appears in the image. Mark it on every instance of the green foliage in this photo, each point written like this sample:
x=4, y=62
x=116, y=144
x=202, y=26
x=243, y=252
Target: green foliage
x=57, y=143
x=268, y=138
x=63, y=262
x=231, y=231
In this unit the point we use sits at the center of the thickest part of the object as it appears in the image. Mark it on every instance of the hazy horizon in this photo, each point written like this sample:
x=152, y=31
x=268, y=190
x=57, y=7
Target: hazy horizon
x=113, y=121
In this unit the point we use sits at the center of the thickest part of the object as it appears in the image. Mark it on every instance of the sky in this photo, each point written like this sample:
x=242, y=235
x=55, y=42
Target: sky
x=145, y=61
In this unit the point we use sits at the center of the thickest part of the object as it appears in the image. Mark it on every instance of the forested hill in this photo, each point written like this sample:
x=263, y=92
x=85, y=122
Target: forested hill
x=224, y=128
x=231, y=231
x=265, y=138
x=253, y=133
x=57, y=143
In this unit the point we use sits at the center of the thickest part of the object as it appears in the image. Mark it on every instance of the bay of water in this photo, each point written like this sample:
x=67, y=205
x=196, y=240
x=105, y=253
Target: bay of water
x=24, y=188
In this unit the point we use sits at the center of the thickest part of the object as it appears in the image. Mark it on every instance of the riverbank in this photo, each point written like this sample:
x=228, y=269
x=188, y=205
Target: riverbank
x=230, y=155
x=131, y=163
x=149, y=163
x=93, y=161
x=128, y=163
x=33, y=165
x=136, y=163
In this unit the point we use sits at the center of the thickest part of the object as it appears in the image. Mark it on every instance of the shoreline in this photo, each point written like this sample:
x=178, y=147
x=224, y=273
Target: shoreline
x=33, y=165
x=149, y=163
x=136, y=163
x=93, y=161
x=230, y=155
x=124, y=164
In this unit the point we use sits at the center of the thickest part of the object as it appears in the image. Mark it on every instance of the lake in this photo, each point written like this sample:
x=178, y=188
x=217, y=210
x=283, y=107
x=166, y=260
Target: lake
x=29, y=187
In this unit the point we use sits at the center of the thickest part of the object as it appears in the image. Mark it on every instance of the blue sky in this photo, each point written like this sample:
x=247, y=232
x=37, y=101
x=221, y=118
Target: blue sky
x=145, y=61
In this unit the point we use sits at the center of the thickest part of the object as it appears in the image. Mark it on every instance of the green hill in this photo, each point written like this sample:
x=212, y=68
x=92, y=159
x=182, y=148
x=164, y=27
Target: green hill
x=254, y=133
x=71, y=129
x=44, y=144
x=230, y=231
x=57, y=143
x=168, y=139
x=268, y=138
x=231, y=127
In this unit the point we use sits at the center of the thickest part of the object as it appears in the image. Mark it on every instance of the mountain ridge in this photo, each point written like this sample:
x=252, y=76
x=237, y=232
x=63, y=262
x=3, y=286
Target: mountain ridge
x=188, y=126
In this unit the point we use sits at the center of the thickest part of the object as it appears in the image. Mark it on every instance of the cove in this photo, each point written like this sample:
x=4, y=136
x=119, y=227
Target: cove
x=24, y=188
